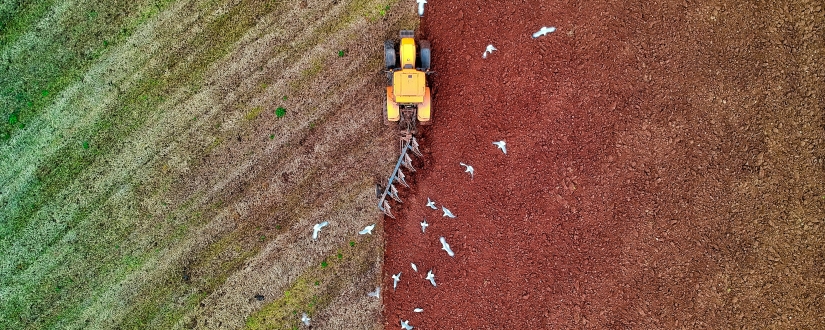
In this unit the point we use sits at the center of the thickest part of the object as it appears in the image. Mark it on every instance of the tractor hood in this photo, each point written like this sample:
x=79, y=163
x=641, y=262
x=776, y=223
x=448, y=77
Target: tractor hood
x=408, y=86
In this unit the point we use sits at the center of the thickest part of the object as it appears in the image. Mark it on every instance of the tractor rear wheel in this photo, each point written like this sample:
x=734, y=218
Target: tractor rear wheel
x=425, y=55
x=389, y=54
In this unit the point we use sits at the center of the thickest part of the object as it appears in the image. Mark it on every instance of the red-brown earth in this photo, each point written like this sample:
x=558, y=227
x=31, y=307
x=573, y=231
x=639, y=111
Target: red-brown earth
x=664, y=169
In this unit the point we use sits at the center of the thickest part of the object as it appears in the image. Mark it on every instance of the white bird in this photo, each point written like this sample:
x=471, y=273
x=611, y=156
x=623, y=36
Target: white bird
x=317, y=229
x=446, y=247
x=447, y=212
x=421, y=7
x=431, y=277
x=367, y=230
x=415, y=268
x=469, y=169
x=489, y=50
x=431, y=204
x=543, y=31
x=376, y=293
x=395, y=279
x=305, y=319
x=424, y=226
x=418, y=310
x=501, y=145
x=406, y=325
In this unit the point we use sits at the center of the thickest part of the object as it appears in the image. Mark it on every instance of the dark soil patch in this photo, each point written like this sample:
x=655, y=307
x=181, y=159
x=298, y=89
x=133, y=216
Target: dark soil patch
x=664, y=169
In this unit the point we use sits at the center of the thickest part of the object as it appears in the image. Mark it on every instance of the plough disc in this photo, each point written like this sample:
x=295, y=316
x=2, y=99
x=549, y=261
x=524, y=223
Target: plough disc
x=401, y=179
x=394, y=194
x=407, y=162
x=387, y=209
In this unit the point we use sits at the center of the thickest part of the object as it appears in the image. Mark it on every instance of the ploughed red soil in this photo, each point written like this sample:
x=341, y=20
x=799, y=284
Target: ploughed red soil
x=640, y=188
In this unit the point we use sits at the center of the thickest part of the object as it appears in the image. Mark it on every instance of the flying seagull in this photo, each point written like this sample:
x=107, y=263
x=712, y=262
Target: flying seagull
x=424, y=226
x=415, y=268
x=501, y=145
x=418, y=310
x=421, y=7
x=317, y=229
x=446, y=247
x=376, y=293
x=305, y=319
x=367, y=230
x=543, y=31
x=489, y=50
x=431, y=204
x=469, y=169
x=395, y=279
x=406, y=325
x=447, y=212
x=431, y=277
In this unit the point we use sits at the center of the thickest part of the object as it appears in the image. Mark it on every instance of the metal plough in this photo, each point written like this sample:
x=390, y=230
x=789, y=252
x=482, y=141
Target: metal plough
x=408, y=144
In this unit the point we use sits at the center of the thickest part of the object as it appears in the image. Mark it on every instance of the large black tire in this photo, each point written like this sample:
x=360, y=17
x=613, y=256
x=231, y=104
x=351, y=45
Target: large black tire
x=425, y=55
x=389, y=54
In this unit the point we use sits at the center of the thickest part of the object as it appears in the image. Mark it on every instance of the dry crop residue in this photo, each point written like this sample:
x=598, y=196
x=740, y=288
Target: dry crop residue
x=150, y=181
x=664, y=169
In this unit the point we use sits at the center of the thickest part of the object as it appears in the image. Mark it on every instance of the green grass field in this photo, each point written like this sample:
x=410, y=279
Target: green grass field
x=163, y=161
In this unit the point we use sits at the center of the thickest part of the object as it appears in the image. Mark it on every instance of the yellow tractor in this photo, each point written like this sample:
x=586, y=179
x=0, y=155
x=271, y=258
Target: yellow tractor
x=408, y=94
x=408, y=105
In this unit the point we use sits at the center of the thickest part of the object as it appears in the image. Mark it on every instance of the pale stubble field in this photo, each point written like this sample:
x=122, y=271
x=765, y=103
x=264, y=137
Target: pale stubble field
x=148, y=181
